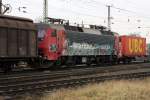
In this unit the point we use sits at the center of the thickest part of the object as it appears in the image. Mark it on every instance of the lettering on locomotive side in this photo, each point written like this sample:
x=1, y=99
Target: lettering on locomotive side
x=135, y=45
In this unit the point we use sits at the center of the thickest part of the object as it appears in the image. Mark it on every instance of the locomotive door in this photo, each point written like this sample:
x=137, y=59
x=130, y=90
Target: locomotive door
x=60, y=42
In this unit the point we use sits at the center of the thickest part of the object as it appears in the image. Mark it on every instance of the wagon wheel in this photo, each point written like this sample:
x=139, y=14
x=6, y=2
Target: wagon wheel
x=6, y=68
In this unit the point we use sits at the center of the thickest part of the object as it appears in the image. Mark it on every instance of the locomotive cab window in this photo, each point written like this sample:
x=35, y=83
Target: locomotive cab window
x=41, y=33
x=54, y=33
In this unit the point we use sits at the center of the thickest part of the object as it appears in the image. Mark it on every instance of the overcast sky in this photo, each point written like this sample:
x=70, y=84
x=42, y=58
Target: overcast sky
x=132, y=13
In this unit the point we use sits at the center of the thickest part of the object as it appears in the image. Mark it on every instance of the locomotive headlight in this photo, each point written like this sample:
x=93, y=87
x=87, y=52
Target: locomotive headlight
x=53, y=48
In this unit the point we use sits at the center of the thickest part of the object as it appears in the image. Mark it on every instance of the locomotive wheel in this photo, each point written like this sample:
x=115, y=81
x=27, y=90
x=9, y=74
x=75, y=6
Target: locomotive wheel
x=98, y=61
x=56, y=64
x=74, y=61
x=70, y=61
x=88, y=61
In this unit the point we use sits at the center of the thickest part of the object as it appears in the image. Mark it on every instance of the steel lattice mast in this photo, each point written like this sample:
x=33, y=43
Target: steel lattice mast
x=0, y=6
x=45, y=11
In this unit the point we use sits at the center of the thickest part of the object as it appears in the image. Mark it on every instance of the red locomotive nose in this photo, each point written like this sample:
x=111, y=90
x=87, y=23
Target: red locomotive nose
x=51, y=44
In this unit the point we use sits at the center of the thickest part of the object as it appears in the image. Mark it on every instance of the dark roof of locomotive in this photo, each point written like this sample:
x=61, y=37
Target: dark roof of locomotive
x=16, y=22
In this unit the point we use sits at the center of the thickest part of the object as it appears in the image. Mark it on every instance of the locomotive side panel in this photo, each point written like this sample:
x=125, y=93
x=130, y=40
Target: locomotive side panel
x=85, y=44
x=133, y=46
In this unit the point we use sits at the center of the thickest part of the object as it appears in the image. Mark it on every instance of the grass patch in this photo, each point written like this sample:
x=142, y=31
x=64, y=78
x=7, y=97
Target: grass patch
x=111, y=90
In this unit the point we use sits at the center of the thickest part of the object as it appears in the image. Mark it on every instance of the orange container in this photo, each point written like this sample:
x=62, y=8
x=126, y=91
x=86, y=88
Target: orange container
x=133, y=46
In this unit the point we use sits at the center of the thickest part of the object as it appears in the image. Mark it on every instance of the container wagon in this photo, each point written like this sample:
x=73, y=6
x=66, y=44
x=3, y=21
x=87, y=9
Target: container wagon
x=131, y=47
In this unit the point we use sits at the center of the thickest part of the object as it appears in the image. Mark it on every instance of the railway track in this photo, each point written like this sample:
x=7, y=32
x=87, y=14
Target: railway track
x=27, y=70
x=17, y=84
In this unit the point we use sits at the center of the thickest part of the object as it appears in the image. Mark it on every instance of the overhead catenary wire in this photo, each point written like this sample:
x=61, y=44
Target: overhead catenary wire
x=89, y=2
x=133, y=12
x=90, y=11
x=131, y=16
x=94, y=4
x=122, y=9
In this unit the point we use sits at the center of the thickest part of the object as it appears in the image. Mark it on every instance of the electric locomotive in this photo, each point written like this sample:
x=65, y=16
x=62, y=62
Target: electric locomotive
x=65, y=44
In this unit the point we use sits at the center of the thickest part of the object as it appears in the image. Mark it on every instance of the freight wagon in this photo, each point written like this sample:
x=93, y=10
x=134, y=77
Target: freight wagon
x=147, y=52
x=131, y=47
x=18, y=41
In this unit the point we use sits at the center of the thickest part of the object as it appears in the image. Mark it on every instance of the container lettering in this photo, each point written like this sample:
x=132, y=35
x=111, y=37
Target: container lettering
x=135, y=45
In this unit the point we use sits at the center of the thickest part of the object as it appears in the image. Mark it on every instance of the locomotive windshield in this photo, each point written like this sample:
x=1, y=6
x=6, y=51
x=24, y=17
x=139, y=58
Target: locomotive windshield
x=41, y=30
x=41, y=33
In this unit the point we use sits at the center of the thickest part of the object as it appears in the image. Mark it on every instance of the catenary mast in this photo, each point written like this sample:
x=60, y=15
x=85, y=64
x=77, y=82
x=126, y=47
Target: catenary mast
x=45, y=11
